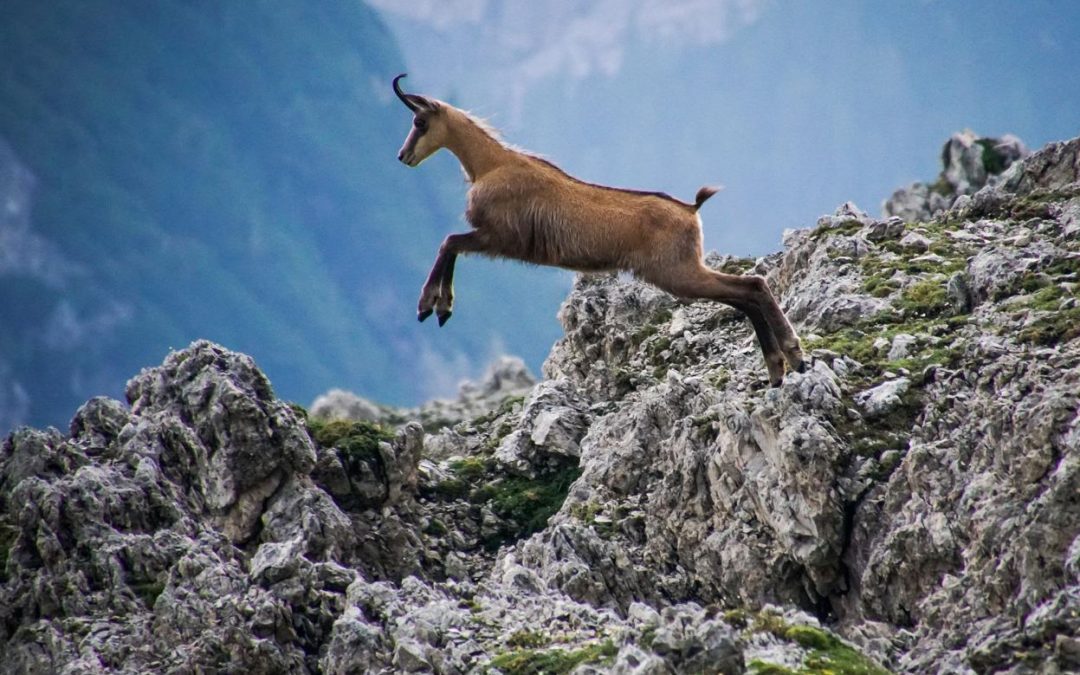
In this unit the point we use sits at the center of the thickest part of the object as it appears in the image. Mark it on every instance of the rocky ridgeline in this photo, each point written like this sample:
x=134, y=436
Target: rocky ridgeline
x=911, y=503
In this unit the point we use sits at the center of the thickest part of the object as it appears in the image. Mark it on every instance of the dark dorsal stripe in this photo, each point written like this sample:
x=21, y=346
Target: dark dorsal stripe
x=639, y=193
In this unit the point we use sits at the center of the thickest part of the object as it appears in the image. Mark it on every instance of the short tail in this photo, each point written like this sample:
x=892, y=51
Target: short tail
x=704, y=193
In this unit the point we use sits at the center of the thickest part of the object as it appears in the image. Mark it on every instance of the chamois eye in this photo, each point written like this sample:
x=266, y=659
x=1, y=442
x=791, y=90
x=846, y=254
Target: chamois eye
x=420, y=123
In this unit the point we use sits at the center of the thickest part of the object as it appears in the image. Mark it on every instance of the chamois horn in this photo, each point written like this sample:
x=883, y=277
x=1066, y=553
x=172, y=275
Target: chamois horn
x=407, y=99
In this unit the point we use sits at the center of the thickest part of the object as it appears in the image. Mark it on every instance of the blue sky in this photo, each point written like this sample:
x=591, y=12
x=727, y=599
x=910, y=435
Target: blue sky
x=794, y=106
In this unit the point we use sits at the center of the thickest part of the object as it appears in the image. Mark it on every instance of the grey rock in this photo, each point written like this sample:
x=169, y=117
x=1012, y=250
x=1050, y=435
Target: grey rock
x=882, y=230
x=969, y=163
x=959, y=293
x=930, y=516
x=883, y=398
x=901, y=346
x=914, y=241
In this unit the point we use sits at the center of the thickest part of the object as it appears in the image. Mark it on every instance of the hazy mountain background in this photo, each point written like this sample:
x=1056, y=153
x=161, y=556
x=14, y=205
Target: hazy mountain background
x=180, y=169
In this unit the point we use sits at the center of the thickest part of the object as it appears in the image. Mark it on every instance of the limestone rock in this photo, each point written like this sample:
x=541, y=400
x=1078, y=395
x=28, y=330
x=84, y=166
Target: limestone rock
x=651, y=506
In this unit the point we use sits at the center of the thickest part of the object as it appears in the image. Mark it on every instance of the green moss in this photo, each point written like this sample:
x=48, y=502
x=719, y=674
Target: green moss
x=527, y=639
x=472, y=469
x=436, y=528
x=811, y=638
x=588, y=512
x=759, y=667
x=505, y=407
x=720, y=377
x=449, y=489
x=353, y=440
x=1039, y=203
x=852, y=342
x=648, y=637
x=301, y=411
x=738, y=617
x=528, y=503
x=885, y=266
x=828, y=654
x=880, y=285
x=1054, y=328
x=942, y=186
x=553, y=661
x=992, y=160
x=738, y=265
x=846, y=228
x=524, y=504
x=924, y=298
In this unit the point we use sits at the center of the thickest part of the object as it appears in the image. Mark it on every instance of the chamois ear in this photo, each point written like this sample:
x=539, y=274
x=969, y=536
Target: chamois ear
x=413, y=102
x=424, y=103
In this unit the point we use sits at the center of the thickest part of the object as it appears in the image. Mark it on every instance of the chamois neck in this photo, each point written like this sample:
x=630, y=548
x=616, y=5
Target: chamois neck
x=478, y=151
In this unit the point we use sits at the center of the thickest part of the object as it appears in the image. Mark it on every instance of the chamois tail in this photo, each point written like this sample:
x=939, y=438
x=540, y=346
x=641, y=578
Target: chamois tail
x=704, y=193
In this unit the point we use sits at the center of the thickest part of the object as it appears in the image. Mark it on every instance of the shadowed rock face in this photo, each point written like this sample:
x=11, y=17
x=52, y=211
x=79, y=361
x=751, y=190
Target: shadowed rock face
x=651, y=506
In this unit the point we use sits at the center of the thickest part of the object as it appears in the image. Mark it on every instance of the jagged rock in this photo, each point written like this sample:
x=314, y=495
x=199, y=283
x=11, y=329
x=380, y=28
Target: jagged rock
x=883, y=398
x=914, y=491
x=969, y=162
x=552, y=422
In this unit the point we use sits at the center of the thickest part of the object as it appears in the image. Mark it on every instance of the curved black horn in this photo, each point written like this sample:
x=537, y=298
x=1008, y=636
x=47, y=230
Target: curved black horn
x=402, y=95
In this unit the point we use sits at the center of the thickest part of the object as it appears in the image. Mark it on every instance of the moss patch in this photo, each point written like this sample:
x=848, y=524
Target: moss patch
x=527, y=639
x=828, y=654
x=924, y=298
x=527, y=504
x=356, y=443
x=846, y=228
x=523, y=504
x=553, y=661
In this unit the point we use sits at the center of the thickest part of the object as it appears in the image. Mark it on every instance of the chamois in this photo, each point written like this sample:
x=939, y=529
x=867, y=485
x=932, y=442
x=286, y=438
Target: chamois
x=525, y=208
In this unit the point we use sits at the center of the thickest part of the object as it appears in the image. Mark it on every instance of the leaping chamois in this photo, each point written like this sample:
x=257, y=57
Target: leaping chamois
x=526, y=208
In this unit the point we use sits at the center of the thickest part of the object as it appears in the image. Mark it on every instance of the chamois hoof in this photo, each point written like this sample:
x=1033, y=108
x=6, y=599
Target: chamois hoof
x=801, y=367
x=775, y=384
x=444, y=317
x=420, y=316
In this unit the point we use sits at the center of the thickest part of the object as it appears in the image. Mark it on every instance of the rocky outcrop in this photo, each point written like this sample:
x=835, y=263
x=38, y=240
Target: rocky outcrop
x=652, y=506
x=968, y=162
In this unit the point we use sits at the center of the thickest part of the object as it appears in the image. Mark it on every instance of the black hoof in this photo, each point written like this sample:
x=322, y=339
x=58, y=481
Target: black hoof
x=420, y=316
x=802, y=366
x=777, y=383
x=444, y=317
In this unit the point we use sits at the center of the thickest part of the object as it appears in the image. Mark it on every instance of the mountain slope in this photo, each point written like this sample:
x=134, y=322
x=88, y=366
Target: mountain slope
x=651, y=506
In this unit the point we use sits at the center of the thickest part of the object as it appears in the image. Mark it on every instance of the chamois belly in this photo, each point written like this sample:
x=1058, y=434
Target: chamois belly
x=541, y=236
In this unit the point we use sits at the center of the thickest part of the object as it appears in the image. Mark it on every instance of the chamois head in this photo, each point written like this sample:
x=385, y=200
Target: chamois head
x=428, y=132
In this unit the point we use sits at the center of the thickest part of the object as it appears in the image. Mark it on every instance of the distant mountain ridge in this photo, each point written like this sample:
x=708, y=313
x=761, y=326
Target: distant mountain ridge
x=227, y=171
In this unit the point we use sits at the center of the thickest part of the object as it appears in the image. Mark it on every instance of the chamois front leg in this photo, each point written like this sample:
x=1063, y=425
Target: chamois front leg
x=437, y=295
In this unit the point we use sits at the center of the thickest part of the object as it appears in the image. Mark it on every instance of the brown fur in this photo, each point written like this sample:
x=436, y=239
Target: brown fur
x=525, y=208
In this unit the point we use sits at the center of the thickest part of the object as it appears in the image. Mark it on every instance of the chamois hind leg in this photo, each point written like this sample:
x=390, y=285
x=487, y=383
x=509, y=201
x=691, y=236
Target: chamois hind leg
x=747, y=293
x=770, y=350
x=437, y=294
x=787, y=341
